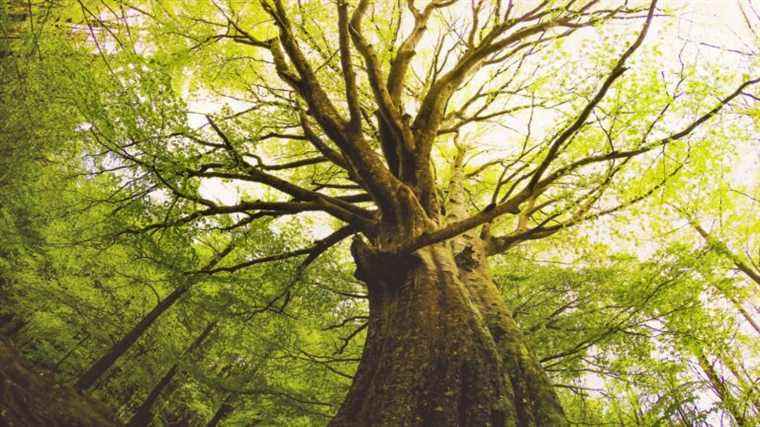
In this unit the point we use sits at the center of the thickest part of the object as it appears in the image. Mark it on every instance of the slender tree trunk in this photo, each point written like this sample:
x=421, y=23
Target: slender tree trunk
x=441, y=348
x=225, y=409
x=749, y=387
x=91, y=376
x=70, y=352
x=14, y=17
x=143, y=414
x=745, y=314
x=685, y=421
x=100, y=366
x=721, y=390
x=723, y=249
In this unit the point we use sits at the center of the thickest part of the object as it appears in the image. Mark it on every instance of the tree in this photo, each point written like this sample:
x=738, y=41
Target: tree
x=441, y=345
x=373, y=117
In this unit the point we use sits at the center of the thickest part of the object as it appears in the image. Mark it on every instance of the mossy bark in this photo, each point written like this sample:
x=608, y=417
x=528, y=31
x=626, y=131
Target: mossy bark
x=535, y=400
x=29, y=399
x=441, y=348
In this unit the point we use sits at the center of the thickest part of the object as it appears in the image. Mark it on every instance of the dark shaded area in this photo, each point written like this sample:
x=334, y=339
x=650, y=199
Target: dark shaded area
x=32, y=398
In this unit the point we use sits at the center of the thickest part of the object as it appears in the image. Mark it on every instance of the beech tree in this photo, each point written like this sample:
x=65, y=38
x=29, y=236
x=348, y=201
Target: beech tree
x=441, y=345
x=376, y=121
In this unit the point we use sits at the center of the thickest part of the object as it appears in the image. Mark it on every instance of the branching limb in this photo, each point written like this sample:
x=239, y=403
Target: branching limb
x=313, y=252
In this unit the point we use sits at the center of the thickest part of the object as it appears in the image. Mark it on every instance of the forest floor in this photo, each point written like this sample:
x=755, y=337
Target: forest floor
x=29, y=397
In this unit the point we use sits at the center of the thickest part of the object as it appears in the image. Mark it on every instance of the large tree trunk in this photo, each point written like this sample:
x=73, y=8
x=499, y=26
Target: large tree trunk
x=441, y=347
x=28, y=398
x=535, y=400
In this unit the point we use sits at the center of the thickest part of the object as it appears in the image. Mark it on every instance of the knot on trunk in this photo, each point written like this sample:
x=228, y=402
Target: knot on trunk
x=381, y=270
x=467, y=259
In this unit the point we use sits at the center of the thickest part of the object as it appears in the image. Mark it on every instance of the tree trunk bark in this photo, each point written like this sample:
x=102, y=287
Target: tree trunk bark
x=99, y=367
x=441, y=348
x=535, y=400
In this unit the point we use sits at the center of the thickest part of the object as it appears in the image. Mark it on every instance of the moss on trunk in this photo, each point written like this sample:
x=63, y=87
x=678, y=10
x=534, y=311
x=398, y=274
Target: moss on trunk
x=28, y=398
x=433, y=355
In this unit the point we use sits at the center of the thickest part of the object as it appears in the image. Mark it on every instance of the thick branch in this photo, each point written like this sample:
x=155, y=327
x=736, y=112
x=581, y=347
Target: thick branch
x=342, y=210
x=364, y=160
